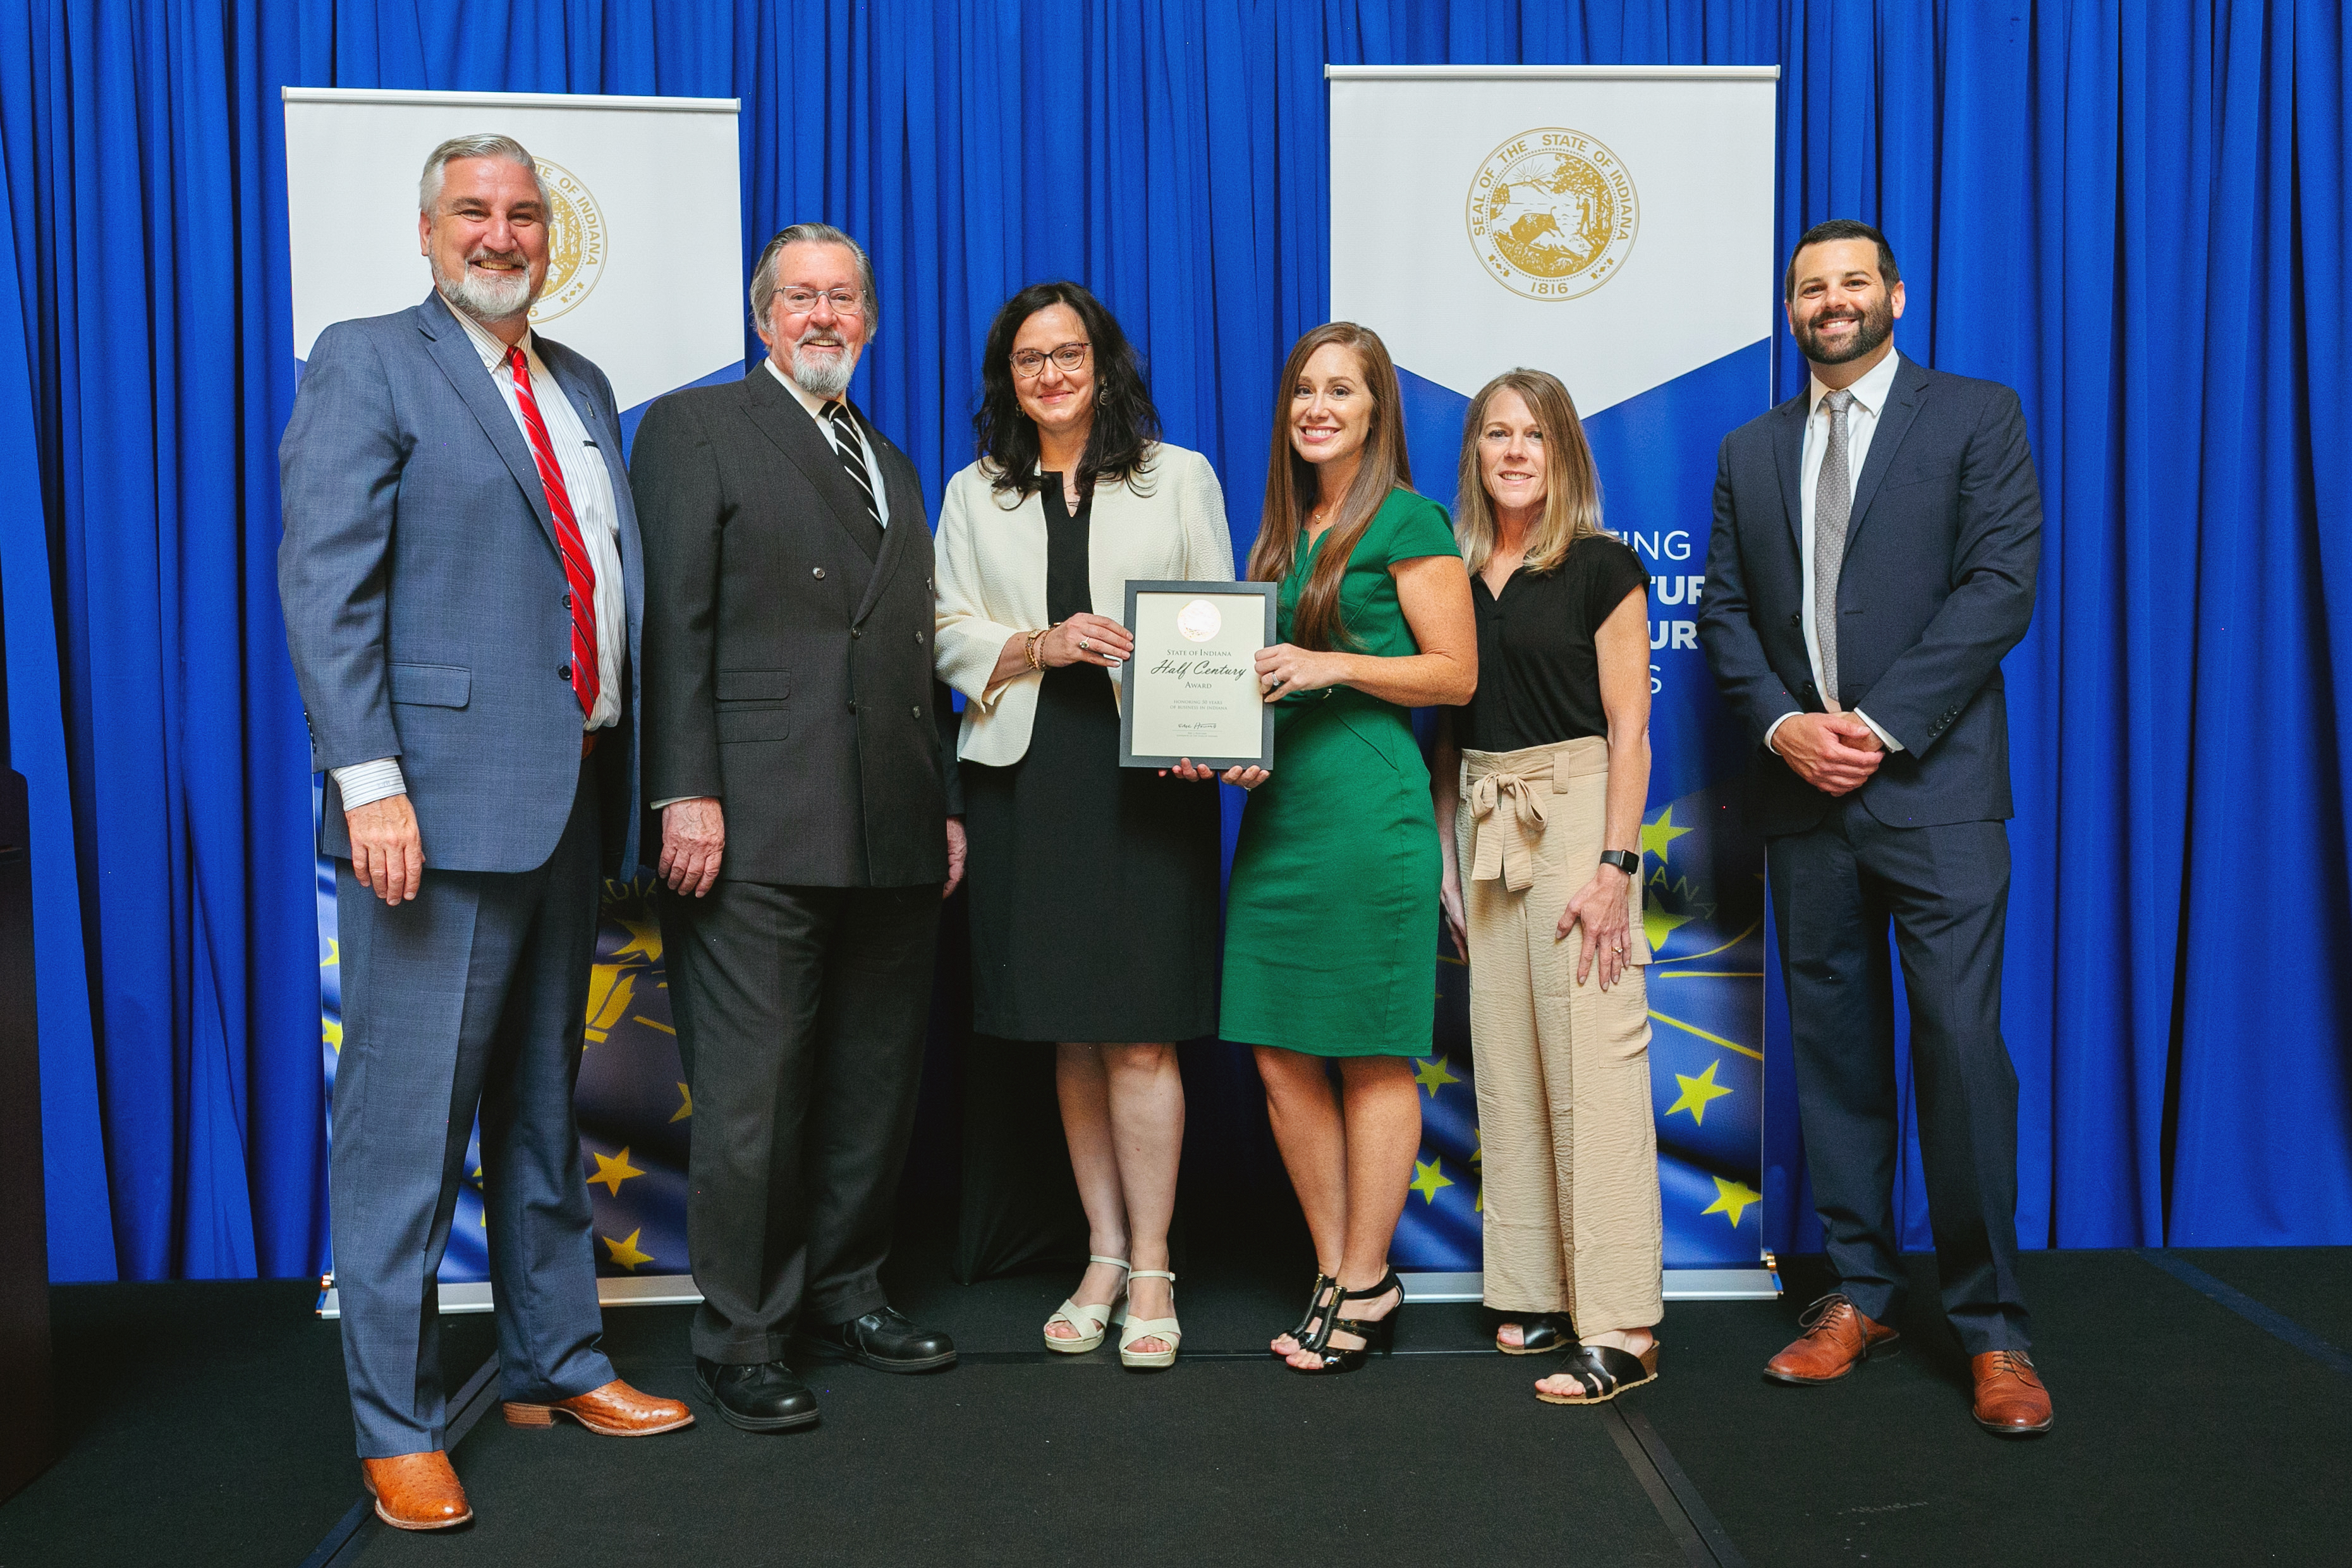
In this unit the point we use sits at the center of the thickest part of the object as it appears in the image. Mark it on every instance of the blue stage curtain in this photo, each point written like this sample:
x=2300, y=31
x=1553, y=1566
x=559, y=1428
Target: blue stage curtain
x=2132, y=214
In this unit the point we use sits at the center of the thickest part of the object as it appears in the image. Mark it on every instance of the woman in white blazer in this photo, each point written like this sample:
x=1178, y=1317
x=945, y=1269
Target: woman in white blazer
x=1093, y=887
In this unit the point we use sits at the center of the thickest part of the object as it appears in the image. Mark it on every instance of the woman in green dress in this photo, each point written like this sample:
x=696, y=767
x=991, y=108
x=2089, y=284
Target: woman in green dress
x=1331, y=922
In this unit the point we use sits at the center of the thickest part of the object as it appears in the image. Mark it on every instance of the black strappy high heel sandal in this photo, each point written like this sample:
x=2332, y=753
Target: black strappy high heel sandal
x=1377, y=1333
x=1318, y=1312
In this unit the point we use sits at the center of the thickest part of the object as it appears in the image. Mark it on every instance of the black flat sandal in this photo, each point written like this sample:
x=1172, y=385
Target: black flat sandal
x=1541, y=1334
x=1318, y=1310
x=1605, y=1371
x=1378, y=1332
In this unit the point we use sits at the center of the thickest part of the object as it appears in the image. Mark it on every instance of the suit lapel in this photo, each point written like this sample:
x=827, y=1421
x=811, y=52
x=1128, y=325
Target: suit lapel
x=905, y=499
x=1789, y=458
x=785, y=422
x=454, y=351
x=1894, y=424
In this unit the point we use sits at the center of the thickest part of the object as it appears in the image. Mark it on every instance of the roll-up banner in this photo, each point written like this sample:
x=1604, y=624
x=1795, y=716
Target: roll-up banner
x=645, y=249
x=1613, y=226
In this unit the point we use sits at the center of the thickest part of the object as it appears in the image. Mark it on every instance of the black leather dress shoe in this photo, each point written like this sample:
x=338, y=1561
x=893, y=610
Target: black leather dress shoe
x=763, y=1397
x=883, y=1341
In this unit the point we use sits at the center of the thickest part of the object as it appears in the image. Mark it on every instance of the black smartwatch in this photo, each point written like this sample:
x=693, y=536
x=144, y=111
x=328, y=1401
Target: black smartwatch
x=1627, y=861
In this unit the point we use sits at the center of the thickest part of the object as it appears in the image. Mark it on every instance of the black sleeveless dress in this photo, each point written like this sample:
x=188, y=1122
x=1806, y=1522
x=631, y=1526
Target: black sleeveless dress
x=1093, y=886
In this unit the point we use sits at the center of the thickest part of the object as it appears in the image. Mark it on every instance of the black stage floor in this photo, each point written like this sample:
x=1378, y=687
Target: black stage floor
x=2202, y=1400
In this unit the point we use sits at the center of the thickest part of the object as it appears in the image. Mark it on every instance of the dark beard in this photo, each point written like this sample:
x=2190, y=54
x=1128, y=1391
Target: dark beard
x=1877, y=325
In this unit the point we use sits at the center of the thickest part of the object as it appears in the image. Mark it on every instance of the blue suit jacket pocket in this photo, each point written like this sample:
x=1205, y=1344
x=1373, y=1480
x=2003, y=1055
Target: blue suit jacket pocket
x=1899, y=478
x=752, y=704
x=431, y=685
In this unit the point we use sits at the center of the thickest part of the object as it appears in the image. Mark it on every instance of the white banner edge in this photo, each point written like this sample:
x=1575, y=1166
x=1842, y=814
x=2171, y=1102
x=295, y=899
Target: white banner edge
x=507, y=99
x=1551, y=73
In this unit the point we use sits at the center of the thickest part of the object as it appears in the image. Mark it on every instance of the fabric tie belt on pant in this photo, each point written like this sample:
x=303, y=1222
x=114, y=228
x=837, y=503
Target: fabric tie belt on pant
x=1507, y=812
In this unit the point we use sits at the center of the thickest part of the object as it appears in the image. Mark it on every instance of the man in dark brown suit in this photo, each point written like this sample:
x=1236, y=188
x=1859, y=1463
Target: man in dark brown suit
x=793, y=752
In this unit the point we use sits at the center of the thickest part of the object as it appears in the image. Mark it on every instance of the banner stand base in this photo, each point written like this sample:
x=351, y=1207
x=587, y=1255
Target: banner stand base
x=1758, y=1284
x=1755, y=1284
x=620, y=1290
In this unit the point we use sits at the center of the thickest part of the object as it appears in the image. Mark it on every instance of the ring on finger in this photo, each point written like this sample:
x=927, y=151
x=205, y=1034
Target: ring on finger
x=1084, y=647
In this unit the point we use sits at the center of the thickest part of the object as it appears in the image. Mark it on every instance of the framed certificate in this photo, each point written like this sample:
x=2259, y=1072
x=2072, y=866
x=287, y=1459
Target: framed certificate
x=1191, y=688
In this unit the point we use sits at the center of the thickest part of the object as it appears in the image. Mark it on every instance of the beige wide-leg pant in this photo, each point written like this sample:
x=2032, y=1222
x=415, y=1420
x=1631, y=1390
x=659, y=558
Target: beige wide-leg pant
x=1569, y=1155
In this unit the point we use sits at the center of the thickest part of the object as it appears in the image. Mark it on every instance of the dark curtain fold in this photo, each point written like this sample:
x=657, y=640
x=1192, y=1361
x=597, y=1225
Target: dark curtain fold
x=2132, y=214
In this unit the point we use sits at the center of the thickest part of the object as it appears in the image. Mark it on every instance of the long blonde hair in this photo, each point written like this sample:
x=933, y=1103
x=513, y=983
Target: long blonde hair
x=1571, y=508
x=1291, y=485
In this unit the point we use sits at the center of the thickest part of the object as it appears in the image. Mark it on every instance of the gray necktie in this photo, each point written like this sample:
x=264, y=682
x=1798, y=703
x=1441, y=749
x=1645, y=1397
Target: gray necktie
x=1833, y=500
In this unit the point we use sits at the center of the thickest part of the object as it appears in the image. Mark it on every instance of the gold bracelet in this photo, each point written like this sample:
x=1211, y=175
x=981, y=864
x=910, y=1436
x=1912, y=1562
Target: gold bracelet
x=1030, y=650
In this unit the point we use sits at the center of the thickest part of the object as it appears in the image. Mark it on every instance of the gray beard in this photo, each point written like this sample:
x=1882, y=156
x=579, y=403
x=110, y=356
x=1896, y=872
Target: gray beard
x=485, y=302
x=822, y=379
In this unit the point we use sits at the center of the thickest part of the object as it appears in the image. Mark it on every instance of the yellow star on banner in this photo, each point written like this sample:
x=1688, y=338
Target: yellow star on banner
x=1427, y=1177
x=613, y=1172
x=684, y=1104
x=1478, y=1164
x=1432, y=1074
x=1696, y=1092
x=1657, y=835
x=624, y=1252
x=645, y=937
x=1657, y=924
x=335, y=954
x=1732, y=1199
x=332, y=1031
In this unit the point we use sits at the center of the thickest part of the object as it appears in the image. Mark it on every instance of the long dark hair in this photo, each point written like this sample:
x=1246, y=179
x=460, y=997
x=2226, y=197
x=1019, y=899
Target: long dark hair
x=1125, y=425
x=1291, y=485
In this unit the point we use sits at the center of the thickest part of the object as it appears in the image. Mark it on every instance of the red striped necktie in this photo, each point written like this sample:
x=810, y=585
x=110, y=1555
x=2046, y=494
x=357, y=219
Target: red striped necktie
x=577, y=572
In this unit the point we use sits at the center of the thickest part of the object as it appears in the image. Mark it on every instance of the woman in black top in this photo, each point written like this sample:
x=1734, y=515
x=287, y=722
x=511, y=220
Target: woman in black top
x=1544, y=773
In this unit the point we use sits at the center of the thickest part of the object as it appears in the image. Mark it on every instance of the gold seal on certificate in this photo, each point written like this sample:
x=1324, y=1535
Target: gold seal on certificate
x=1190, y=689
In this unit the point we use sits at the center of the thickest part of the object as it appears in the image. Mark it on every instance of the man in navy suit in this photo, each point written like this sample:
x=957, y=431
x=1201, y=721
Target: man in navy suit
x=1873, y=560
x=464, y=587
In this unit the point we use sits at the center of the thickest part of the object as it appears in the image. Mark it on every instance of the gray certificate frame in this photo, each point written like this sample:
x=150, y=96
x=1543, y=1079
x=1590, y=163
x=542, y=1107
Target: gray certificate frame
x=1129, y=674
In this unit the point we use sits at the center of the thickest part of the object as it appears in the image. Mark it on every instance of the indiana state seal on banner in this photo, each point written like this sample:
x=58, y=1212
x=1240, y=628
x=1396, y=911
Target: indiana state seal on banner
x=575, y=243
x=1553, y=214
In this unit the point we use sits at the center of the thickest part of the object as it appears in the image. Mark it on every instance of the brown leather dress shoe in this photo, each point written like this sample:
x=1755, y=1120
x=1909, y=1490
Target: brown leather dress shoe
x=2010, y=1400
x=415, y=1491
x=615, y=1410
x=1836, y=1340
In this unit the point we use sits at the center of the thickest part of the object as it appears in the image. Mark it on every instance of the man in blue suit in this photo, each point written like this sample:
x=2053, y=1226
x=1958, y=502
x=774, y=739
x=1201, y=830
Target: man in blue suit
x=463, y=587
x=1873, y=560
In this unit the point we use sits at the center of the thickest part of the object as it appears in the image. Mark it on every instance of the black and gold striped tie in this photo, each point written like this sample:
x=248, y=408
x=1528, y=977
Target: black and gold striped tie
x=850, y=447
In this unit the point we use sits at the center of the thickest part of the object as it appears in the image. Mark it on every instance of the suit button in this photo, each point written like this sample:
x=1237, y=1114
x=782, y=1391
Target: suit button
x=852, y=705
x=562, y=671
x=853, y=632
x=916, y=710
x=919, y=637
x=567, y=601
x=817, y=572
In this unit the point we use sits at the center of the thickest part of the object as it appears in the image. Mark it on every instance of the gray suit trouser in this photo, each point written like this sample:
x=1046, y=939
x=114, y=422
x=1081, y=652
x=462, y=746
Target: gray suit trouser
x=475, y=992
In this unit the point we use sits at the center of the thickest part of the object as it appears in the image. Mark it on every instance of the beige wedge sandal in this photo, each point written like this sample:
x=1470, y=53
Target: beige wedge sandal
x=1166, y=1329
x=1092, y=1322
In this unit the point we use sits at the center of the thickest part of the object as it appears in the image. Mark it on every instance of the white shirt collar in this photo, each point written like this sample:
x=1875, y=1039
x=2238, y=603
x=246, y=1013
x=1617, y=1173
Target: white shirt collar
x=1870, y=391
x=487, y=344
